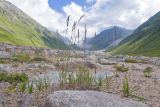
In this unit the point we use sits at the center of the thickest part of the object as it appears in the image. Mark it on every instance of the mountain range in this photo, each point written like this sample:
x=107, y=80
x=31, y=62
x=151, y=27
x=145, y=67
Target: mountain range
x=107, y=38
x=17, y=28
x=145, y=40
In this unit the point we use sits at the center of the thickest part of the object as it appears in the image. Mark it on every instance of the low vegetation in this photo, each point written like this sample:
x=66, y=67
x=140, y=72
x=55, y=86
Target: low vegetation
x=126, y=88
x=13, y=78
x=4, y=61
x=121, y=68
x=147, y=72
x=25, y=32
x=80, y=80
x=24, y=58
x=131, y=61
x=38, y=59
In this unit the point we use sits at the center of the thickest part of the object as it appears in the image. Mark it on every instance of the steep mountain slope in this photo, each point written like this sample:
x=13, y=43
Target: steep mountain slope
x=144, y=41
x=107, y=37
x=19, y=29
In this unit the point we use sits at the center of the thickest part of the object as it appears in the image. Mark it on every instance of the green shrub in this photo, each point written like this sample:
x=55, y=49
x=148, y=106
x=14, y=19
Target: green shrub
x=131, y=61
x=38, y=59
x=4, y=61
x=22, y=58
x=22, y=87
x=121, y=68
x=147, y=72
x=116, y=74
x=10, y=89
x=13, y=78
x=3, y=76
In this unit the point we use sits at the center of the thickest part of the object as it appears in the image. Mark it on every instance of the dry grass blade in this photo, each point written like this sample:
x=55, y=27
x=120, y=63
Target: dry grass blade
x=74, y=26
x=85, y=36
x=81, y=18
x=78, y=35
x=67, y=21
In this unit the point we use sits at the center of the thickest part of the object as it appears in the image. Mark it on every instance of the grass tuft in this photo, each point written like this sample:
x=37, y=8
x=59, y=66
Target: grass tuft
x=131, y=61
x=147, y=72
x=13, y=78
x=121, y=68
x=126, y=88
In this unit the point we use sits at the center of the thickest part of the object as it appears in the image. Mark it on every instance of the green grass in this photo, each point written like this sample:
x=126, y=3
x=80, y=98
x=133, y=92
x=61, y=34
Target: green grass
x=81, y=80
x=19, y=29
x=147, y=72
x=126, y=88
x=144, y=41
x=121, y=68
x=131, y=61
x=18, y=33
x=22, y=58
x=13, y=78
x=4, y=61
x=133, y=51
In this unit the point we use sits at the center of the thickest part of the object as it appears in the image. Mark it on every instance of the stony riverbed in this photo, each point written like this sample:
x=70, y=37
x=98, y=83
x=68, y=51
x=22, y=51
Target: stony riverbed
x=100, y=64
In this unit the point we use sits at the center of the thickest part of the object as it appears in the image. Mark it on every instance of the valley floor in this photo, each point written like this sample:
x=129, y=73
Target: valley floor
x=37, y=62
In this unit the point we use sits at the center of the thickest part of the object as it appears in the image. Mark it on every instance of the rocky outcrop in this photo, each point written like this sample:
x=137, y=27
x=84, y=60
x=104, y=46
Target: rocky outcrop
x=68, y=98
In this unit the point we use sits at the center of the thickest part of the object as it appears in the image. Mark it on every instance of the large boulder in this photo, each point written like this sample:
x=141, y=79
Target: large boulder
x=68, y=98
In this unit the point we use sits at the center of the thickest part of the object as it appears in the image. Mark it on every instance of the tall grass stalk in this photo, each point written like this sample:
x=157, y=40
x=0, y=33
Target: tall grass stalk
x=22, y=87
x=30, y=87
x=126, y=88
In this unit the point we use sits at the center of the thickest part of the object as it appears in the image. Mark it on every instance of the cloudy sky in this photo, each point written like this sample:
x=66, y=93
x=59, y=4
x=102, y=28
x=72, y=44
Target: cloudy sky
x=99, y=14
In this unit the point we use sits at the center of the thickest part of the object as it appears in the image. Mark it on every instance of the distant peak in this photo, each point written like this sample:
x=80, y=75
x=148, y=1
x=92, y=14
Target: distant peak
x=116, y=27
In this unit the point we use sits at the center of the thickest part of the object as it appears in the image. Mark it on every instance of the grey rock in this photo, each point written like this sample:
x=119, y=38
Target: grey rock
x=2, y=101
x=27, y=101
x=5, y=67
x=103, y=75
x=49, y=67
x=53, y=77
x=91, y=57
x=107, y=62
x=4, y=54
x=31, y=66
x=4, y=85
x=68, y=98
x=90, y=64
